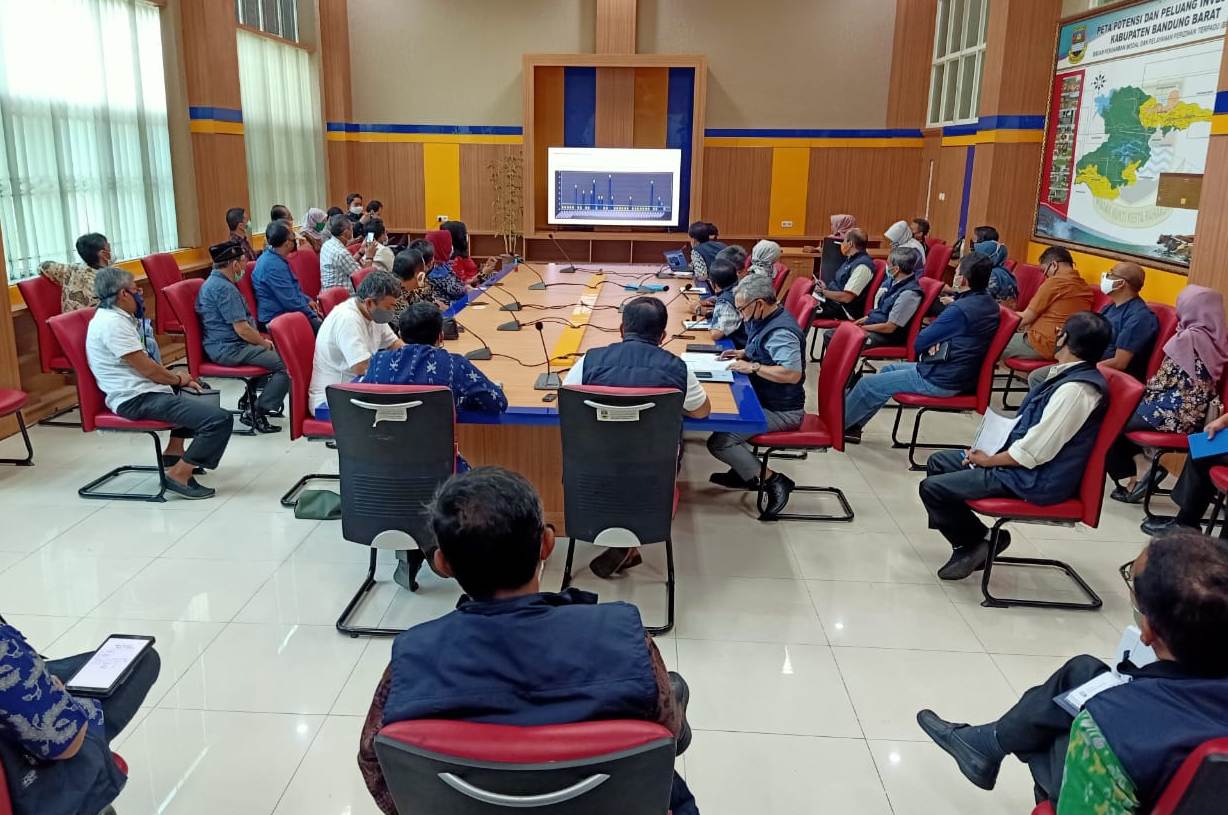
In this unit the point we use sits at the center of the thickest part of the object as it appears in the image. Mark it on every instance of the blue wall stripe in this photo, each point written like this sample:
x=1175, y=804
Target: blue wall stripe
x=448, y=130
x=216, y=114
x=969, y=160
x=1011, y=123
x=768, y=133
x=680, y=116
x=1221, y=102
x=579, y=107
x=960, y=130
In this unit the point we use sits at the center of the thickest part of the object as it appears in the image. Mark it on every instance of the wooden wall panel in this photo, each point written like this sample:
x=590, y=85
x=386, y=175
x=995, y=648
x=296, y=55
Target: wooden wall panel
x=947, y=194
x=651, y=106
x=547, y=130
x=1005, y=181
x=211, y=53
x=477, y=193
x=911, y=58
x=391, y=172
x=1207, y=267
x=616, y=26
x=1013, y=86
x=878, y=186
x=737, y=189
x=221, y=181
x=615, y=107
x=335, y=60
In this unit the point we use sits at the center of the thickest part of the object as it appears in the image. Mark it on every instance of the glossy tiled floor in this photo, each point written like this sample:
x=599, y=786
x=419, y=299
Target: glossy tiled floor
x=808, y=647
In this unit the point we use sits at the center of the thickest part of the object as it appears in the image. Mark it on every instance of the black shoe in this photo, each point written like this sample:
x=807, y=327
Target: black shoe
x=171, y=461
x=1139, y=491
x=731, y=480
x=406, y=574
x=682, y=698
x=612, y=561
x=968, y=559
x=243, y=402
x=977, y=767
x=261, y=423
x=1159, y=527
x=192, y=490
x=778, y=489
x=852, y=435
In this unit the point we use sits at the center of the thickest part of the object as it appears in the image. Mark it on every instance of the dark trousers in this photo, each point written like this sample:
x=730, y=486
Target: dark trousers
x=274, y=387
x=1120, y=460
x=1194, y=491
x=945, y=490
x=1037, y=731
x=831, y=310
x=207, y=426
x=119, y=708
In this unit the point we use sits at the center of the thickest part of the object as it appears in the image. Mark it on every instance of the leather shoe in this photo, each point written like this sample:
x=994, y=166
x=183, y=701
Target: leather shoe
x=731, y=480
x=1139, y=491
x=852, y=435
x=612, y=561
x=260, y=424
x=778, y=489
x=193, y=490
x=1159, y=527
x=968, y=559
x=977, y=767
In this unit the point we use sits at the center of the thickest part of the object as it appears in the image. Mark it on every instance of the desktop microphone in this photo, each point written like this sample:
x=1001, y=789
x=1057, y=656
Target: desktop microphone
x=548, y=381
x=570, y=268
x=477, y=353
x=541, y=284
x=514, y=305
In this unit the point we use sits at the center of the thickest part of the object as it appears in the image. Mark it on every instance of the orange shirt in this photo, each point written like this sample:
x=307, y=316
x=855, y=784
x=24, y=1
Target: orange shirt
x=1057, y=298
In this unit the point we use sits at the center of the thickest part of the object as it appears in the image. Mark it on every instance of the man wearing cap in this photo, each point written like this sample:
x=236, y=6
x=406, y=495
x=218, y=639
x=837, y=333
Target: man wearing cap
x=231, y=338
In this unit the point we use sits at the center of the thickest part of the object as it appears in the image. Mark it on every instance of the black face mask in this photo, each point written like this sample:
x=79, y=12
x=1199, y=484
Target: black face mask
x=1060, y=343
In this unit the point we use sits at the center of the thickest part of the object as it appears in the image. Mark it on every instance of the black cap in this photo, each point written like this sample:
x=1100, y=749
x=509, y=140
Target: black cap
x=226, y=252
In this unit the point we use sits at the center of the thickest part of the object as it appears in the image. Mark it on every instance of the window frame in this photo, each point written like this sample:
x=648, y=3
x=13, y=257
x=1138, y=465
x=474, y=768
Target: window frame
x=257, y=26
x=953, y=60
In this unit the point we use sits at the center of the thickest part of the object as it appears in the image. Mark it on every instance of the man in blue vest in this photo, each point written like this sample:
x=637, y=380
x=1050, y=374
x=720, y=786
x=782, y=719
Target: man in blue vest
x=638, y=361
x=850, y=288
x=510, y=653
x=896, y=302
x=1127, y=740
x=1044, y=456
x=772, y=359
x=726, y=322
x=955, y=346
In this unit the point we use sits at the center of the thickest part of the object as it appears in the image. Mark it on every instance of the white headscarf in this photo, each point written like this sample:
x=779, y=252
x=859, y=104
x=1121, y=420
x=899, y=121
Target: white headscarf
x=900, y=236
x=763, y=257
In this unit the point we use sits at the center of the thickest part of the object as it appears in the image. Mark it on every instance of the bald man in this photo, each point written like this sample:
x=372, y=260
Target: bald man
x=1134, y=325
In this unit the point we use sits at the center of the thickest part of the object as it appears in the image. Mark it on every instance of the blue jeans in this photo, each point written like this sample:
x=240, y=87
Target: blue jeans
x=873, y=391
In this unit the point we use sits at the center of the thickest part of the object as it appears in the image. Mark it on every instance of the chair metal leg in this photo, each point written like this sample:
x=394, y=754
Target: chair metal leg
x=25, y=436
x=91, y=490
x=1216, y=508
x=761, y=497
x=1150, y=491
x=52, y=420
x=291, y=496
x=913, y=445
x=1010, y=386
x=571, y=553
x=991, y=601
x=669, y=592
x=815, y=333
x=368, y=583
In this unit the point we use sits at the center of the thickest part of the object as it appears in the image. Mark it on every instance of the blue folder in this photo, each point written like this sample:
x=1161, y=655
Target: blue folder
x=1202, y=447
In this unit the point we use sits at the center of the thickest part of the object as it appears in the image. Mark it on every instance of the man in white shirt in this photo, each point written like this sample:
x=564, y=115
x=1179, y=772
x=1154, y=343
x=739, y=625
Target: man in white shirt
x=336, y=262
x=351, y=334
x=137, y=387
x=1043, y=459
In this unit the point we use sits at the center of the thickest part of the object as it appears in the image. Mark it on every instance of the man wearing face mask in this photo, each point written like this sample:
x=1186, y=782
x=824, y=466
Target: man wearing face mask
x=231, y=338
x=1063, y=293
x=337, y=265
x=896, y=303
x=277, y=289
x=137, y=387
x=351, y=334
x=845, y=299
x=353, y=206
x=240, y=229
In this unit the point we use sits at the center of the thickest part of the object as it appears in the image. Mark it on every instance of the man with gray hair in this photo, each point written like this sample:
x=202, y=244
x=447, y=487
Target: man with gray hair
x=897, y=301
x=137, y=387
x=336, y=262
x=772, y=359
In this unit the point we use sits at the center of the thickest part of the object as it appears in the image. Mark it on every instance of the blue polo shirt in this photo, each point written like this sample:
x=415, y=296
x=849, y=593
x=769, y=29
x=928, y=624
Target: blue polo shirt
x=220, y=306
x=1134, y=329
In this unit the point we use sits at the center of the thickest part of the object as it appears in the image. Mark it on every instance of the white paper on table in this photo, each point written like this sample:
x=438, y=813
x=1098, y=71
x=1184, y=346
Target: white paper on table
x=991, y=436
x=691, y=325
x=708, y=367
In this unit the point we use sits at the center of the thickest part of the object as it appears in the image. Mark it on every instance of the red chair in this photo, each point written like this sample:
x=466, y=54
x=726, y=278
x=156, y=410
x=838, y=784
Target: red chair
x=819, y=431
x=1199, y=787
x=1028, y=277
x=1219, y=478
x=296, y=343
x=1018, y=368
x=617, y=767
x=936, y=261
x=780, y=273
x=1124, y=392
x=70, y=331
x=42, y=298
x=1010, y=265
x=1099, y=299
x=11, y=403
x=930, y=290
x=798, y=301
x=1008, y=321
x=162, y=271
x=333, y=297
x=596, y=450
x=820, y=324
x=358, y=276
x=305, y=266
x=247, y=288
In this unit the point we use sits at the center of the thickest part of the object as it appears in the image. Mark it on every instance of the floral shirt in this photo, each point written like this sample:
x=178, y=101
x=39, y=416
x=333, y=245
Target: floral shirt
x=1173, y=402
x=1094, y=782
x=445, y=284
x=76, y=284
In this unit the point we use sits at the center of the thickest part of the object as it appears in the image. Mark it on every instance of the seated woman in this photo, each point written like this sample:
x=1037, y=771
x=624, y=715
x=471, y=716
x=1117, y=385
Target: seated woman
x=462, y=265
x=763, y=257
x=311, y=236
x=841, y=225
x=1002, y=284
x=900, y=236
x=445, y=286
x=1182, y=393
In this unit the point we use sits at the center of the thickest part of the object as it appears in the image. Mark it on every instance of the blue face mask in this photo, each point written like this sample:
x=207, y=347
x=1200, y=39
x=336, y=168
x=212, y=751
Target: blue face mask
x=140, y=304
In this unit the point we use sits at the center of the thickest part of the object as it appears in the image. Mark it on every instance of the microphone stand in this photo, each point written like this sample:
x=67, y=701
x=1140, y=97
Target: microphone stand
x=570, y=268
x=549, y=381
x=541, y=284
x=477, y=353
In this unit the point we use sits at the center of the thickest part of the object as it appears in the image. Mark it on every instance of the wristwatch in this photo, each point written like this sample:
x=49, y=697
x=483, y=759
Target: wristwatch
x=755, y=370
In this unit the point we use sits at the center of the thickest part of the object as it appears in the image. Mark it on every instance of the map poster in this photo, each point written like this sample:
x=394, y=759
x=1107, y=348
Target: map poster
x=1129, y=122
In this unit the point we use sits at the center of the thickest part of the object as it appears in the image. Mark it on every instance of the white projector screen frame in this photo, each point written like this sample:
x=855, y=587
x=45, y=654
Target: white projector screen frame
x=624, y=167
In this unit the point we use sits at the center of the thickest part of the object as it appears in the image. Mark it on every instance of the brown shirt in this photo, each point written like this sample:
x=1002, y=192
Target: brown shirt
x=76, y=284
x=1060, y=296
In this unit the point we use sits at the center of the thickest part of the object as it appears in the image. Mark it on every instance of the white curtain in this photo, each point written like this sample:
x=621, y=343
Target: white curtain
x=282, y=127
x=83, y=135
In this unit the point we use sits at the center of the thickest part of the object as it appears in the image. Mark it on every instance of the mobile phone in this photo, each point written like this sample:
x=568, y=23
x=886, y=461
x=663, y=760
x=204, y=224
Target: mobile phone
x=550, y=397
x=703, y=374
x=370, y=238
x=109, y=666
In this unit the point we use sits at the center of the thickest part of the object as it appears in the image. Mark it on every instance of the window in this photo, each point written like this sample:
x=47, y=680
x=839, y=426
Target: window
x=84, y=145
x=276, y=17
x=959, y=55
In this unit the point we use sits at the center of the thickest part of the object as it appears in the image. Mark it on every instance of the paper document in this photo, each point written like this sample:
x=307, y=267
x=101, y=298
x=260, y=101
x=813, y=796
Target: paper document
x=1073, y=701
x=991, y=436
x=691, y=325
x=708, y=368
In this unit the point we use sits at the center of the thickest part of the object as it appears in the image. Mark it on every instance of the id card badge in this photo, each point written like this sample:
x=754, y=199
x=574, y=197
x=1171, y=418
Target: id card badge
x=1075, y=700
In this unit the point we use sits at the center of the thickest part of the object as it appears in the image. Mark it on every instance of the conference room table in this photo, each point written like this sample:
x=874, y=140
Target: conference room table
x=578, y=311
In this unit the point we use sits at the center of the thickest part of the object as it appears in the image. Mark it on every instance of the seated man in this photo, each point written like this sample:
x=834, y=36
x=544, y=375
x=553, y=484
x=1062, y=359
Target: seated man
x=735, y=255
x=277, y=289
x=56, y=747
x=138, y=388
x=896, y=302
x=846, y=299
x=955, y=345
x=1063, y=293
x=772, y=360
x=410, y=268
x=1121, y=750
x=1044, y=456
x=336, y=262
x=510, y=653
x=1194, y=490
x=351, y=334
x=704, y=247
x=240, y=227
x=231, y=338
x=638, y=361
x=726, y=322
x=76, y=282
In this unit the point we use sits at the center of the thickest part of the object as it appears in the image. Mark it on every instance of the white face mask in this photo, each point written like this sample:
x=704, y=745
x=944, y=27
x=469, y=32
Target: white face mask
x=356, y=210
x=1107, y=284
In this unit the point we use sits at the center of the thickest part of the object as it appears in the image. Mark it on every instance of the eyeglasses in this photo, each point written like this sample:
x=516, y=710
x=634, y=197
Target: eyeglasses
x=1127, y=574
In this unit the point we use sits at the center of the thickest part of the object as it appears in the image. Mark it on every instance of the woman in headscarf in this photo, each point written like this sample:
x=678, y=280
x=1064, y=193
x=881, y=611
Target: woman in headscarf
x=1184, y=394
x=1002, y=284
x=841, y=224
x=900, y=236
x=311, y=236
x=763, y=258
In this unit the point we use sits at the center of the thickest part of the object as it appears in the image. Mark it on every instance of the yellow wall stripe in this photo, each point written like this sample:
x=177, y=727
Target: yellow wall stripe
x=424, y=138
x=1160, y=286
x=1219, y=124
x=767, y=141
x=441, y=181
x=995, y=137
x=571, y=338
x=215, y=126
x=790, y=179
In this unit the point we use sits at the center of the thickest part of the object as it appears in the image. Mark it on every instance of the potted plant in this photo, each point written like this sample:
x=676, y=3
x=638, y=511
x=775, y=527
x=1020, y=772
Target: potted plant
x=507, y=183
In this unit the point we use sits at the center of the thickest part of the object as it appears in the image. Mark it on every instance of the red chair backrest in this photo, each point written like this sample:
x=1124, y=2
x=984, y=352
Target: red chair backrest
x=1166, y=316
x=838, y=362
x=356, y=278
x=1124, y=394
x=70, y=330
x=1200, y=784
x=42, y=298
x=181, y=297
x=1008, y=321
x=296, y=344
x=305, y=266
x=936, y=261
x=1099, y=299
x=798, y=296
x=161, y=271
x=930, y=290
x=1028, y=277
x=247, y=288
x=1010, y=265
x=333, y=297
x=876, y=282
x=780, y=273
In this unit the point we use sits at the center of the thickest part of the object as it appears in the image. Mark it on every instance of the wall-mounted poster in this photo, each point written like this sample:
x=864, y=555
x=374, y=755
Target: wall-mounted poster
x=1128, y=128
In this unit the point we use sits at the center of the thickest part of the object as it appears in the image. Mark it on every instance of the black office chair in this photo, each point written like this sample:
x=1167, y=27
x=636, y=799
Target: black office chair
x=396, y=444
x=620, y=470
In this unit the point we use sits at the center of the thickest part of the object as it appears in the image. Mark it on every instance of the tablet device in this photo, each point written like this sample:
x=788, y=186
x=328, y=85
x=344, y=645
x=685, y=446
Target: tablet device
x=110, y=665
x=676, y=259
x=703, y=348
x=831, y=260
